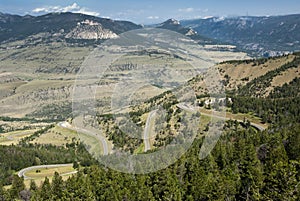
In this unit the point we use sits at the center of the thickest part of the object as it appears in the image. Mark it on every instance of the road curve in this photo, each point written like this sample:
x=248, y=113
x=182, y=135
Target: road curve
x=22, y=173
x=186, y=107
x=90, y=132
x=257, y=126
x=146, y=134
x=193, y=109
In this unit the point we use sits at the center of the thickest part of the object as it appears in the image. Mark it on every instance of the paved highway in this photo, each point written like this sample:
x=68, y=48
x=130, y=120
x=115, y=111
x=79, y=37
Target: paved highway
x=22, y=173
x=189, y=108
x=147, y=130
x=90, y=131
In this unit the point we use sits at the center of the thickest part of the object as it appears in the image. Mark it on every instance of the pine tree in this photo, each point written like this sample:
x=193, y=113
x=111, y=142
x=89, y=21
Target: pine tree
x=17, y=186
x=281, y=182
x=45, y=193
x=57, y=186
x=33, y=186
x=250, y=173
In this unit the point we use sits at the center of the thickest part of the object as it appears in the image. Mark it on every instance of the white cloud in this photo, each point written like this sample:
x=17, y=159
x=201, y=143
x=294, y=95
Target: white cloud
x=186, y=10
x=191, y=10
x=153, y=17
x=74, y=8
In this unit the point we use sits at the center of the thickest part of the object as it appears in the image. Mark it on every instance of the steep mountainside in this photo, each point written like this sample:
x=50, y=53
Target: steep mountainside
x=264, y=36
x=262, y=77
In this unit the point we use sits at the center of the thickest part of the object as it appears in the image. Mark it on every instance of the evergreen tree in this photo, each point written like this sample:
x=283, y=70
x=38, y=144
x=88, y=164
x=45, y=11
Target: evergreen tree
x=17, y=186
x=281, y=183
x=57, y=186
x=250, y=172
x=33, y=186
x=45, y=192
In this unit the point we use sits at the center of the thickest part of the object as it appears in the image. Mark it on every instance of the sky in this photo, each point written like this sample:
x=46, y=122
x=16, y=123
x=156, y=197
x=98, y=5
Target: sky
x=153, y=11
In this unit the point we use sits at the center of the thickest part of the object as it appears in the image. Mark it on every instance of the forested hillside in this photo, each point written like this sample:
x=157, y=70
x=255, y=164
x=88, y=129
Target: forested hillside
x=246, y=163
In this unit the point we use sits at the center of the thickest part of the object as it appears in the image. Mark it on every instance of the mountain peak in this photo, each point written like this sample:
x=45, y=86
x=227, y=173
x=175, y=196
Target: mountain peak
x=172, y=21
x=174, y=25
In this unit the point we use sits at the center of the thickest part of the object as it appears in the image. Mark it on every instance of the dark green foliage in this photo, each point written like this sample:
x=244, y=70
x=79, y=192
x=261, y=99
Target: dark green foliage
x=291, y=89
x=31, y=120
x=55, y=112
x=36, y=134
x=17, y=186
x=33, y=186
x=57, y=186
x=245, y=165
x=45, y=191
x=257, y=86
x=293, y=145
x=14, y=158
x=280, y=111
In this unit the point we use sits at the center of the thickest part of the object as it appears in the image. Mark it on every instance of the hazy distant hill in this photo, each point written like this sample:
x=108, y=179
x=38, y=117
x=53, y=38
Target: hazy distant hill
x=174, y=25
x=61, y=26
x=82, y=29
x=264, y=36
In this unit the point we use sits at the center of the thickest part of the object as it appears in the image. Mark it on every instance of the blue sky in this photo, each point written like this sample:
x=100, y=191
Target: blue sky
x=153, y=11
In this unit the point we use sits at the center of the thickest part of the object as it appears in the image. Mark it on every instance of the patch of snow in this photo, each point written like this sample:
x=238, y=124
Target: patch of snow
x=294, y=27
x=175, y=21
x=219, y=19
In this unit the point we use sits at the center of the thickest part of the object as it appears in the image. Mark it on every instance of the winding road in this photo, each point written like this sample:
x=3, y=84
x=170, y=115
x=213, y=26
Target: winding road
x=186, y=107
x=255, y=125
x=89, y=131
x=22, y=173
x=189, y=108
x=147, y=130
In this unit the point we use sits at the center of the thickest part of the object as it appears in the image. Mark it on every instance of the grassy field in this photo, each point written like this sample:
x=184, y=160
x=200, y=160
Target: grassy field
x=42, y=57
x=57, y=136
x=238, y=116
x=61, y=136
x=93, y=145
x=49, y=172
x=240, y=74
x=15, y=136
x=39, y=176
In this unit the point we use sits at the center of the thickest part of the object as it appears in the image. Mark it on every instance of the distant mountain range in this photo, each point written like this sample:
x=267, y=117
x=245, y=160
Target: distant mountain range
x=263, y=36
x=258, y=36
x=77, y=27
x=175, y=25
x=61, y=26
